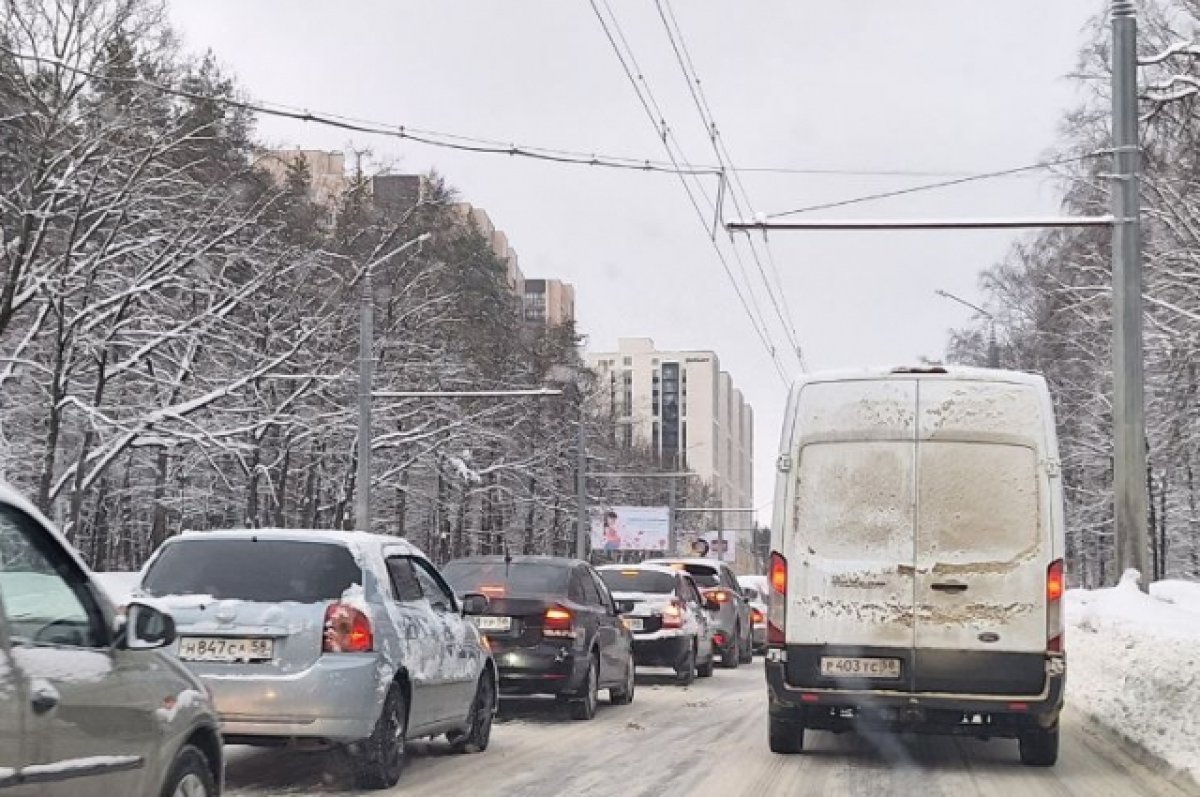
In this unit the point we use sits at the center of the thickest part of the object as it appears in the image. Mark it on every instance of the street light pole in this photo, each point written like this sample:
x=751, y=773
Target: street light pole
x=366, y=368
x=581, y=508
x=1129, y=418
x=993, y=348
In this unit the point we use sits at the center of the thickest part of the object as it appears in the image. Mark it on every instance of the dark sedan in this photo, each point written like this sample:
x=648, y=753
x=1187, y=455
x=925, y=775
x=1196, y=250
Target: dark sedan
x=553, y=627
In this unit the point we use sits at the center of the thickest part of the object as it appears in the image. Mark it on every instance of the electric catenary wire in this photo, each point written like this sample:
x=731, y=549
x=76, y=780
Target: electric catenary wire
x=634, y=75
x=777, y=294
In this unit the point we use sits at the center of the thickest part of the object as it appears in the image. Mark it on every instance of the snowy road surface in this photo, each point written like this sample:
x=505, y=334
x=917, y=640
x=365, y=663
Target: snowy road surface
x=711, y=739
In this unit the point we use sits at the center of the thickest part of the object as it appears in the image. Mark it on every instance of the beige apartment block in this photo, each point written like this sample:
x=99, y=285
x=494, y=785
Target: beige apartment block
x=686, y=410
x=549, y=301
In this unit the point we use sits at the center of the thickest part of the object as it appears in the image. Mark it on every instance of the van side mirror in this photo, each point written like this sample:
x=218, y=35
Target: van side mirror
x=474, y=603
x=147, y=627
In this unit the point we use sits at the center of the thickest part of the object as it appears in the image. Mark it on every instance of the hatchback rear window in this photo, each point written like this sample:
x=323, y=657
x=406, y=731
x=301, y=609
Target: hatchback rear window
x=634, y=580
x=264, y=571
x=497, y=579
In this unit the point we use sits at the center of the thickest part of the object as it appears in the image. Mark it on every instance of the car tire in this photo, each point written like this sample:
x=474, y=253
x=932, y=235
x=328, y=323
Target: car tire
x=583, y=706
x=1039, y=747
x=785, y=737
x=685, y=673
x=478, y=734
x=190, y=776
x=731, y=656
x=705, y=670
x=747, y=650
x=379, y=759
x=623, y=695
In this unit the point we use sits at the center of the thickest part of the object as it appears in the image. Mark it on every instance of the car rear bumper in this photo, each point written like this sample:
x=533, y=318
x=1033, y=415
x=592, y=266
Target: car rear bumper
x=974, y=713
x=759, y=637
x=662, y=649
x=336, y=699
x=548, y=668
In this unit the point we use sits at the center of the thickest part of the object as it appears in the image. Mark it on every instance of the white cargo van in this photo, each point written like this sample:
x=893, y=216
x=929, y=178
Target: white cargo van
x=916, y=572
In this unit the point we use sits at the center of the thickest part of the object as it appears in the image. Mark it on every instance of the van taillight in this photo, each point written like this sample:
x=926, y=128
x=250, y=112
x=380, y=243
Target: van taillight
x=558, y=622
x=1055, y=587
x=777, y=605
x=347, y=630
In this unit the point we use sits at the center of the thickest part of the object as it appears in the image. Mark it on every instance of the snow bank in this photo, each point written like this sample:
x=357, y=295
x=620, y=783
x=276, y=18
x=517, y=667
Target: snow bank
x=1133, y=665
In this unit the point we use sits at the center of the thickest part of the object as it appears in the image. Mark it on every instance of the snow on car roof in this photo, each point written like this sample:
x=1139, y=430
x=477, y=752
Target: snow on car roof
x=355, y=539
x=950, y=372
x=686, y=560
x=648, y=566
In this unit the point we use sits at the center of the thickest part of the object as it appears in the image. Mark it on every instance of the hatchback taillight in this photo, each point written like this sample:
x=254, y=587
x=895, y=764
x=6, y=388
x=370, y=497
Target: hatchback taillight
x=672, y=616
x=347, y=630
x=777, y=606
x=558, y=622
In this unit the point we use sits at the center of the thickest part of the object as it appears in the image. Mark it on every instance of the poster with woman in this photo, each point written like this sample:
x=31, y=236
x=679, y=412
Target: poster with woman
x=630, y=528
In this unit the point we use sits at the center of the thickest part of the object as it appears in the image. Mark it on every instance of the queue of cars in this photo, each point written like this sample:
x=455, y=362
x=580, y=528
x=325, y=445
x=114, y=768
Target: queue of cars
x=131, y=683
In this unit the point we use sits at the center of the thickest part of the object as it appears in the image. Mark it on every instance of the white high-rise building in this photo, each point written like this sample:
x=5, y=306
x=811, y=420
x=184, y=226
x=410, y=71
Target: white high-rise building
x=684, y=408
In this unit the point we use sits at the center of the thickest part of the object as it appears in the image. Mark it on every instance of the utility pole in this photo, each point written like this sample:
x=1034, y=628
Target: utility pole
x=1129, y=410
x=993, y=347
x=366, y=368
x=581, y=507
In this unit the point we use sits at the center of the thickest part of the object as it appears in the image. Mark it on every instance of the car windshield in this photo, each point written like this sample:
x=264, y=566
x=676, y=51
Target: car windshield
x=267, y=571
x=514, y=579
x=635, y=580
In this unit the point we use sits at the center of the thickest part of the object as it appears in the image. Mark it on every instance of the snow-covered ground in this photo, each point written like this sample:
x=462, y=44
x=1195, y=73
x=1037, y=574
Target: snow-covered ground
x=1134, y=665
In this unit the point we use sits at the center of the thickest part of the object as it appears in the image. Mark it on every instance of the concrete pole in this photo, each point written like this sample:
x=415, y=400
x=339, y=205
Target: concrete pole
x=672, y=546
x=366, y=367
x=582, y=527
x=1129, y=411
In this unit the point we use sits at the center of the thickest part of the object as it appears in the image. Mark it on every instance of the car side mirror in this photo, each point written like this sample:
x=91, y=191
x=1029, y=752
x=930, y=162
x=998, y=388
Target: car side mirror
x=625, y=607
x=474, y=603
x=712, y=604
x=147, y=627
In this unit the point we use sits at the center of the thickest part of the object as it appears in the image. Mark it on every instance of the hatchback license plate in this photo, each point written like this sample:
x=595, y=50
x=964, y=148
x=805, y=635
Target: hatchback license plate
x=851, y=667
x=491, y=623
x=634, y=623
x=227, y=649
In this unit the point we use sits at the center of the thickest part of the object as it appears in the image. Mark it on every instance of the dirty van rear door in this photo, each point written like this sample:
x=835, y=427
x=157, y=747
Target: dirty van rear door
x=850, y=547
x=983, y=539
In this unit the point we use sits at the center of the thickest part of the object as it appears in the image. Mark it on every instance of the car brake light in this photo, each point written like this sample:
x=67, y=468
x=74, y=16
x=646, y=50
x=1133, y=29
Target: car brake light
x=719, y=595
x=756, y=616
x=347, y=630
x=558, y=622
x=493, y=590
x=672, y=617
x=1055, y=587
x=777, y=605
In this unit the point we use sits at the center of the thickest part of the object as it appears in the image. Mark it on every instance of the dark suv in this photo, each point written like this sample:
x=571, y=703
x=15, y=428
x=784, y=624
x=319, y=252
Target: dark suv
x=553, y=628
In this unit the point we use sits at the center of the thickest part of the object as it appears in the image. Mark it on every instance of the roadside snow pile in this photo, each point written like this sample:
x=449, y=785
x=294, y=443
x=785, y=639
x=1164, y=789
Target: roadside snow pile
x=1133, y=665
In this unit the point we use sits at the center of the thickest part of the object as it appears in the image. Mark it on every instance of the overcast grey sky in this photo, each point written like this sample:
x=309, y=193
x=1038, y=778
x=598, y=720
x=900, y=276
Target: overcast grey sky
x=923, y=85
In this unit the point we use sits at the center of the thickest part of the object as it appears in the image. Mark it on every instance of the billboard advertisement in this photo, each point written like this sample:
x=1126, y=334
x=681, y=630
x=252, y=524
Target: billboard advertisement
x=631, y=528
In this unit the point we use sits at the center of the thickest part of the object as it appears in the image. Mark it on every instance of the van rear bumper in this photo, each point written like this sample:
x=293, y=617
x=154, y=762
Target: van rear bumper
x=946, y=712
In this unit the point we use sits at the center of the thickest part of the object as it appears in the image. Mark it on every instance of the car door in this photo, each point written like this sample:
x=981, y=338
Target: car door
x=730, y=582
x=89, y=720
x=582, y=592
x=13, y=711
x=614, y=638
x=422, y=638
x=463, y=656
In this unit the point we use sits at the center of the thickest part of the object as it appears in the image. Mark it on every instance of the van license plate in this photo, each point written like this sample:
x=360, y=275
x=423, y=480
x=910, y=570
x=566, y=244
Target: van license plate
x=848, y=667
x=225, y=649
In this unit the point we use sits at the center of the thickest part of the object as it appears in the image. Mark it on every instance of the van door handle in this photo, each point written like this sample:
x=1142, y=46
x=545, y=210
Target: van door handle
x=951, y=587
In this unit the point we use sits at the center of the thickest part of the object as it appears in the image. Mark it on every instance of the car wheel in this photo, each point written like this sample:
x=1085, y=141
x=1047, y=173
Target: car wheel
x=705, y=670
x=747, y=650
x=1039, y=747
x=731, y=656
x=786, y=736
x=479, y=722
x=623, y=695
x=379, y=759
x=190, y=775
x=685, y=673
x=583, y=707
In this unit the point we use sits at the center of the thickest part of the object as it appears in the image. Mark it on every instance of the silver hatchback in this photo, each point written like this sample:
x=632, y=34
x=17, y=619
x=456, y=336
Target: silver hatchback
x=341, y=637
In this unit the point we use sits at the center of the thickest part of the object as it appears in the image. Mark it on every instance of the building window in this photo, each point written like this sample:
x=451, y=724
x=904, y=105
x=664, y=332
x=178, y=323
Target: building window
x=535, y=307
x=628, y=362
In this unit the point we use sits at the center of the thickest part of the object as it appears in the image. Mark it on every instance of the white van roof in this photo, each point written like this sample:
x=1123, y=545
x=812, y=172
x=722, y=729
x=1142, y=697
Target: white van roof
x=952, y=372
